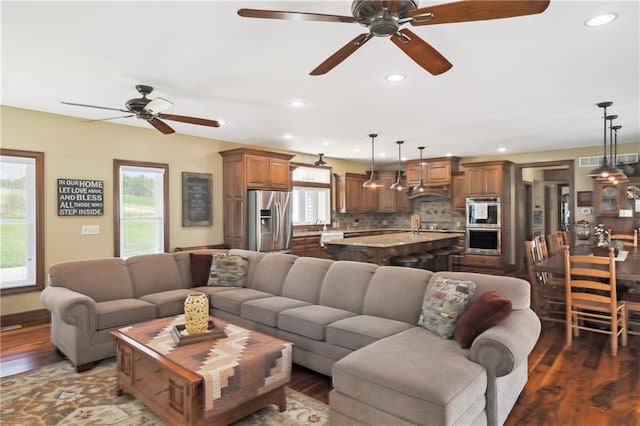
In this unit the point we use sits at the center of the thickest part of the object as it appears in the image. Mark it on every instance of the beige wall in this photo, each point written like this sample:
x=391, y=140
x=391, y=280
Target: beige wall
x=77, y=150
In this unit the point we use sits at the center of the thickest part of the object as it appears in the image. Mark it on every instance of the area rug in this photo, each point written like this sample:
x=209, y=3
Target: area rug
x=57, y=395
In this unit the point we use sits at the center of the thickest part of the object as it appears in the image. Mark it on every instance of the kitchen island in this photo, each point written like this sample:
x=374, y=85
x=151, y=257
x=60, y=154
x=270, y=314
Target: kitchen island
x=380, y=249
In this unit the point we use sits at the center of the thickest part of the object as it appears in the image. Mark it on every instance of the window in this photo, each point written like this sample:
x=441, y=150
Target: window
x=311, y=196
x=21, y=221
x=142, y=212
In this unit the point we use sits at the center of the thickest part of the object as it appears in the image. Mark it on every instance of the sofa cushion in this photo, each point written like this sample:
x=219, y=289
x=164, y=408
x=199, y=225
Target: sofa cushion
x=228, y=270
x=123, y=312
x=396, y=292
x=305, y=278
x=254, y=258
x=272, y=272
x=415, y=375
x=265, y=311
x=361, y=330
x=483, y=313
x=101, y=279
x=169, y=302
x=345, y=285
x=183, y=259
x=231, y=300
x=200, y=268
x=444, y=302
x=153, y=273
x=311, y=320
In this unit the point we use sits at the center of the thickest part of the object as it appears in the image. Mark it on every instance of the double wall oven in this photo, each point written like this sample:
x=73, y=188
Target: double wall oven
x=483, y=226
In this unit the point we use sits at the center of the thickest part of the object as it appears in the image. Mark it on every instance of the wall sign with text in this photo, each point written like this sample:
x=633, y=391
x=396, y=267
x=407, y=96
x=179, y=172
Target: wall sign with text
x=80, y=197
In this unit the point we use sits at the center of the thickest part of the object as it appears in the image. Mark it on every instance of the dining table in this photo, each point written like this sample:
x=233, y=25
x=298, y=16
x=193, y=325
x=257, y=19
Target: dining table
x=627, y=269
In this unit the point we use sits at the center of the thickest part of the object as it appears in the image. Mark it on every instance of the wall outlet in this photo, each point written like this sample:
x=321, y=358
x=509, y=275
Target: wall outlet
x=90, y=229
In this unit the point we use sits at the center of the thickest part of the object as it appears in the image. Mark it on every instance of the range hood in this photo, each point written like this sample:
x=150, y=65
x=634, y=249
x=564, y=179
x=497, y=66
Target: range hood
x=433, y=192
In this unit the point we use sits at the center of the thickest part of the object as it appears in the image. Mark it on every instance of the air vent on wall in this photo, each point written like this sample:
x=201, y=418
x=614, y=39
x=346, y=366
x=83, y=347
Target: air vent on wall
x=597, y=160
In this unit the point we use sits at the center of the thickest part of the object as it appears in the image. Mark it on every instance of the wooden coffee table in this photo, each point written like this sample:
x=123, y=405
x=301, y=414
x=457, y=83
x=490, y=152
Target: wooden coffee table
x=211, y=382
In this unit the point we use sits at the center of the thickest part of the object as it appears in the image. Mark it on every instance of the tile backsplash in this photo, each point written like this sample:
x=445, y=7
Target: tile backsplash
x=432, y=212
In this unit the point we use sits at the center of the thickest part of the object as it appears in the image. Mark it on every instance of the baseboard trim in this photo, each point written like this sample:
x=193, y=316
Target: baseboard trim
x=38, y=316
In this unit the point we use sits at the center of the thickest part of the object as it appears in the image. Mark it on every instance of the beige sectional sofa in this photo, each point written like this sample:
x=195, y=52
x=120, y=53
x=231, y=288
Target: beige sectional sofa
x=354, y=321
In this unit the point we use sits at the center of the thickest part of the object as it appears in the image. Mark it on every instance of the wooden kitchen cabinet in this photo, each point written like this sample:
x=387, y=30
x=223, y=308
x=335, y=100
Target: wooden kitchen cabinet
x=488, y=179
x=309, y=246
x=390, y=200
x=459, y=190
x=610, y=198
x=244, y=169
x=435, y=171
x=352, y=197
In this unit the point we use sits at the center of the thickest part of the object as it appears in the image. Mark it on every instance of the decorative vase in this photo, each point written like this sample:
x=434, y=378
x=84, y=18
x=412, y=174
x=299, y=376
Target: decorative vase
x=196, y=313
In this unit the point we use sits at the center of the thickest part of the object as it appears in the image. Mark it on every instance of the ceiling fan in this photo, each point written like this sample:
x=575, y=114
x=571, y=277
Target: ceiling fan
x=151, y=110
x=383, y=18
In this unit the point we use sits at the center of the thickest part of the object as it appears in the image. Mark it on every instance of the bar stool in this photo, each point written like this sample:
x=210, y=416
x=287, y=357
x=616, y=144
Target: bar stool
x=455, y=258
x=441, y=261
x=425, y=260
x=410, y=261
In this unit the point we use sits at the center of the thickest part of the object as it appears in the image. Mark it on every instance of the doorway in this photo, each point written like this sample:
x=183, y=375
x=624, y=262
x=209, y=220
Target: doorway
x=544, y=199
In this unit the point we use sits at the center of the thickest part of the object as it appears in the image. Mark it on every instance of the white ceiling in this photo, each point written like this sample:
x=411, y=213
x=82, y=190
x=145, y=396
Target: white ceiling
x=526, y=84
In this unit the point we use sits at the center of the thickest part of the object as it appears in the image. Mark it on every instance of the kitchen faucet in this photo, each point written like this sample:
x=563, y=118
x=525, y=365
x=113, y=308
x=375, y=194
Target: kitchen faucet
x=315, y=225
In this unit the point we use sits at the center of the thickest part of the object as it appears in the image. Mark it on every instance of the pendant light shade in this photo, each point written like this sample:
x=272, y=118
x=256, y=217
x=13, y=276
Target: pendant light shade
x=373, y=181
x=420, y=187
x=398, y=185
x=320, y=162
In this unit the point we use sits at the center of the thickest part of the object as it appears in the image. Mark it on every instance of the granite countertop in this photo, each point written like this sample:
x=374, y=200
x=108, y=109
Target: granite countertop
x=392, y=240
x=356, y=230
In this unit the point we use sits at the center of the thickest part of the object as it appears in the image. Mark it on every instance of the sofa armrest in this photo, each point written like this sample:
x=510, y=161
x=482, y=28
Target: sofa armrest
x=70, y=306
x=502, y=348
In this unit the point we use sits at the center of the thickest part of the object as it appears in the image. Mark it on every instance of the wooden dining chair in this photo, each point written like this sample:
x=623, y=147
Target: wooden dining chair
x=542, y=247
x=566, y=237
x=554, y=244
x=629, y=240
x=547, y=292
x=591, y=302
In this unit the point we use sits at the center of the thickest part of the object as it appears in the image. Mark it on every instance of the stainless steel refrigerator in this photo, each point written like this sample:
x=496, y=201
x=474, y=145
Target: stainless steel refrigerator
x=269, y=222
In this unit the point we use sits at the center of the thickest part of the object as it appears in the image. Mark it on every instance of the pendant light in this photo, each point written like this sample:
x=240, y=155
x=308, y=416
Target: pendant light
x=373, y=182
x=616, y=175
x=398, y=185
x=320, y=162
x=602, y=172
x=420, y=187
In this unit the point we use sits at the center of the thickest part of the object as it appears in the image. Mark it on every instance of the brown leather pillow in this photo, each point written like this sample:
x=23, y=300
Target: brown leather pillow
x=483, y=313
x=200, y=267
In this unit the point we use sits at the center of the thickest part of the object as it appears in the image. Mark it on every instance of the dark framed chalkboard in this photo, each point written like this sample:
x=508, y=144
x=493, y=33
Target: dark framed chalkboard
x=197, y=199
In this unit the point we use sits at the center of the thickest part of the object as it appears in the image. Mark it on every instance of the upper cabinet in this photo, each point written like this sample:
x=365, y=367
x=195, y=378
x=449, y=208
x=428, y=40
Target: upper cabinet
x=435, y=171
x=390, y=200
x=489, y=178
x=610, y=199
x=245, y=169
x=459, y=189
x=352, y=197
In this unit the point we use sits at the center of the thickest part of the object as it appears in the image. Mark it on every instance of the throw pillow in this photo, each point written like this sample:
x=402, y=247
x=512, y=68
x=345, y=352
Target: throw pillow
x=486, y=311
x=228, y=270
x=443, y=303
x=200, y=267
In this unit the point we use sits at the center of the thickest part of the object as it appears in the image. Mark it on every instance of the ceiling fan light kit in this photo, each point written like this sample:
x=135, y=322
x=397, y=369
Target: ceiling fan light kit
x=608, y=171
x=383, y=18
x=373, y=181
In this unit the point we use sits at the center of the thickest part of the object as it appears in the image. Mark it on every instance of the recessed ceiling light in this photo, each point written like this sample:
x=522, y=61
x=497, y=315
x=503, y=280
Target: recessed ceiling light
x=448, y=154
x=395, y=77
x=600, y=20
x=502, y=149
x=222, y=122
x=383, y=154
x=296, y=103
x=287, y=136
x=325, y=143
x=356, y=149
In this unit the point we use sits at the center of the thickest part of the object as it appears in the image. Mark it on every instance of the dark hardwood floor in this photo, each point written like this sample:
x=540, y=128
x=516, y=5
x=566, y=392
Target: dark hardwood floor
x=581, y=385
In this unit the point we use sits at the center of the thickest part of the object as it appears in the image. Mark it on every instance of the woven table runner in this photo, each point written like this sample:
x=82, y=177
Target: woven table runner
x=235, y=369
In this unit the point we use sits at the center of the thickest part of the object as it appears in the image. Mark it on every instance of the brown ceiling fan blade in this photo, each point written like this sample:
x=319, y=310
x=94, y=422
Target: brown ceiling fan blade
x=421, y=52
x=110, y=118
x=295, y=16
x=332, y=61
x=190, y=120
x=161, y=126
x=94, y=106
x=476, y=10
